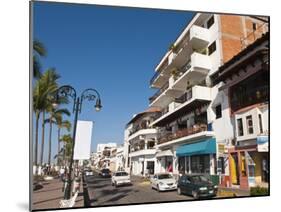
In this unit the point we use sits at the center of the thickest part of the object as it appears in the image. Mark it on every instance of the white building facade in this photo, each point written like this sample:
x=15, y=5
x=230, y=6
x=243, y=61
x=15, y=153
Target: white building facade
x=195, y=127
x=141, y=143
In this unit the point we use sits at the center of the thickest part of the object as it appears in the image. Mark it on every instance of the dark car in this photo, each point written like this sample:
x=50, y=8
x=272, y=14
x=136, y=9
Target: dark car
x=197, y=186
x=105, y=173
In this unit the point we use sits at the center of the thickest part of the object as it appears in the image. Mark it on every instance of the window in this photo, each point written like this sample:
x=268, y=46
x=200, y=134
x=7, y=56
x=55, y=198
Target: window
x=200, y=164
x=240, y=127
x=218, y=111
x=260, y=123
x=249, y=121
x=212, y=48
x=210, y=22
x=221, y=167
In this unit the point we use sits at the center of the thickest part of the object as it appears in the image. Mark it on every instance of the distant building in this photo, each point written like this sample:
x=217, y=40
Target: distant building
x=141, y=143
x=103, y=154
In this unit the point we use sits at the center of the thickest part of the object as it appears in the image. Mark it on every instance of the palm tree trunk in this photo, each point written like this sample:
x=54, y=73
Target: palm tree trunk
x=36, y=139
x=43, y=138
x=50, y=142
x=58, y=160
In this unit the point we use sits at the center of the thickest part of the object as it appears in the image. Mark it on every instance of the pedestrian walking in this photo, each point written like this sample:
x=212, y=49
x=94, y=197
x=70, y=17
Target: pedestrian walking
x=62, y=173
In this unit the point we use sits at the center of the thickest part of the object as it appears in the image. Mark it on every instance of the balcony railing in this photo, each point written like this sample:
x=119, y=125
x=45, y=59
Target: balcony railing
x=185, y=97
x=159, y=92
x=183, y=69
x=168, y=136
x=157, y=73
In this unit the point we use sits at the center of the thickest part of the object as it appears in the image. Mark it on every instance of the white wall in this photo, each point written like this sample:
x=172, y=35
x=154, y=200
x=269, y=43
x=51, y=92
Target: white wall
x=223, y=127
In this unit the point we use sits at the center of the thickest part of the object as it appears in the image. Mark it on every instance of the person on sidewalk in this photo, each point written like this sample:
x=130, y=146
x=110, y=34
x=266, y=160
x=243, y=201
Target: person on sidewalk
x=62, y=173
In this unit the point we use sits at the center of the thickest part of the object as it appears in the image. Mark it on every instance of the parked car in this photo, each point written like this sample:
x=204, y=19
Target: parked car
x=196, y=185
x=105, y=173
x=163, y=182
x=120, y=178
x=88, y=171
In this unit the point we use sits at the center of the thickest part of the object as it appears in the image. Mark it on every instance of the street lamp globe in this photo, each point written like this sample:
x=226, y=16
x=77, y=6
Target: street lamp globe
x=98, y=105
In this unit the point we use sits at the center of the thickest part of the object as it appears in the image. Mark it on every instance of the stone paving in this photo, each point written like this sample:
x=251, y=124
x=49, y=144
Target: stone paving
x=50, y=195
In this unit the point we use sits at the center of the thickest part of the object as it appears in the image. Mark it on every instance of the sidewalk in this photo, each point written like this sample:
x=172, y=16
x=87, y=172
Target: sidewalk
x=237, y=191
x=50, y=195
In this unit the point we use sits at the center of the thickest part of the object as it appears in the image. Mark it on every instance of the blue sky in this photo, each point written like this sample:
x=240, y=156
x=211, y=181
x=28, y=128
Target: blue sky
x=111, y=49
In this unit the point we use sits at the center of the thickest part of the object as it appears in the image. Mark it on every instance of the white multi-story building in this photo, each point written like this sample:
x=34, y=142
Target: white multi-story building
x=195, y=121
x=102, y=157
x=140, y=142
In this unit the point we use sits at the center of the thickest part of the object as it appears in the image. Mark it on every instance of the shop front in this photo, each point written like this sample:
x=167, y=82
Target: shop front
x=165, y=161
x=197, y=157
x=249, y=165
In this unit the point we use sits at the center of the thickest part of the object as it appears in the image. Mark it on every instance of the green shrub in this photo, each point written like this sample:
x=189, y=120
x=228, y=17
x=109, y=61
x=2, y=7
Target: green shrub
x=258, y=191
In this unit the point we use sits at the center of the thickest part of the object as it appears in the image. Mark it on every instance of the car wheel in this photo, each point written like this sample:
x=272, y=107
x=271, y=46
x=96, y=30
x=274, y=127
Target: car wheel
x=179, y=191
x=158, y=189
x=112, y=183
x=195, y=194
x=116, y=185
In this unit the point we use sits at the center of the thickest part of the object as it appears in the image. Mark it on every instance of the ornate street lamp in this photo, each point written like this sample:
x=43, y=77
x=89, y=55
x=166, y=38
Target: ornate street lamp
x=88, y=94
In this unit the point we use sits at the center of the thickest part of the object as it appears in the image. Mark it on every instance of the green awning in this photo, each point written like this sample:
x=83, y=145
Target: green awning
x=201, y=147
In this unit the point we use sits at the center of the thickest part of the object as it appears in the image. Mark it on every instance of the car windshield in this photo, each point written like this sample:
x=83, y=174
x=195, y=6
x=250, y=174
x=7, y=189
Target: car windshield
x=105, y=170
x=164, y=176
x=121, y=174
x=199, y=178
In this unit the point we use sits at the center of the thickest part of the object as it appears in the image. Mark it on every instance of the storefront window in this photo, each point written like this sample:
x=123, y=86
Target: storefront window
x=181, y=165
x=200, y=164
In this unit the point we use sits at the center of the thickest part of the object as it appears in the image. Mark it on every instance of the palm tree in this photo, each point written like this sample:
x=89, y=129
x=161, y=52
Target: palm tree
x=39, y=50
x=42, y=96
x=43, y=91
x=55, y=114
x=67, y=149
x=61, y=124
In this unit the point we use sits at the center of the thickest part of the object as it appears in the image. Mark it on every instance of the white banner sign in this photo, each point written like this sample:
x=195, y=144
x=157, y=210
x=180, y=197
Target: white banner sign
x=83, y=139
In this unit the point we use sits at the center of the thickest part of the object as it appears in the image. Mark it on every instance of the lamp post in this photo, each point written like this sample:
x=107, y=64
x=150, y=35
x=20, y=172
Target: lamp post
x=88, y=94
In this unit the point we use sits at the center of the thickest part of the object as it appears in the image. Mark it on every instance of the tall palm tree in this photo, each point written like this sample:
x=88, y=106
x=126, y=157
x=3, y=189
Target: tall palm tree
x=67, y=149
x=60, y=125
x=54, y=115
x=39, y=50
x=43, y=92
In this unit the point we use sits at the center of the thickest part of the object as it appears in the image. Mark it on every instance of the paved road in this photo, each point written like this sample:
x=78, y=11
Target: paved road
x=101, y=192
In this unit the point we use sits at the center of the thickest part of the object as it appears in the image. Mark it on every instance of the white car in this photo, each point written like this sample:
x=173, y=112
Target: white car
x=120, y=178
x=163, y=182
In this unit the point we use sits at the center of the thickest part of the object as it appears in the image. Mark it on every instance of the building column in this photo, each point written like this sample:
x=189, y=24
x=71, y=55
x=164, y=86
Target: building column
x=145, y=143
x=189, y=164
x=212, y=164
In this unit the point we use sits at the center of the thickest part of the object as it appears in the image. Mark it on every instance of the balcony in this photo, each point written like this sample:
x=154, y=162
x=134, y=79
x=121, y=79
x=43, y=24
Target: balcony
x=189, y=101
x=159, y=92
x=192, y=71
x=192, y=133
x=246, y=97
x=142, y=152
x=199, y=37
x=141, y=132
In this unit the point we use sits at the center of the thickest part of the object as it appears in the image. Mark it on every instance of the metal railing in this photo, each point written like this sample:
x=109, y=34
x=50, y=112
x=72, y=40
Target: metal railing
x=169, y=136
x=185, y=97
x=183, y=69
x=159, y=92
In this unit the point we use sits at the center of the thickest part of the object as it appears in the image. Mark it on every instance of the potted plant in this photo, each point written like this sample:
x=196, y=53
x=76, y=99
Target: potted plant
x=174, y=73
x=173, y=47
